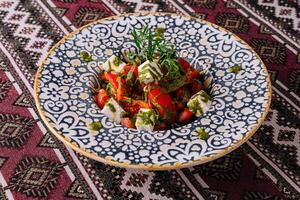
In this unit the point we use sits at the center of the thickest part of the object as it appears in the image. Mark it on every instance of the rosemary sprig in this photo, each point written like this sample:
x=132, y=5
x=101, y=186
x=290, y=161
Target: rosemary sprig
x=154, y=46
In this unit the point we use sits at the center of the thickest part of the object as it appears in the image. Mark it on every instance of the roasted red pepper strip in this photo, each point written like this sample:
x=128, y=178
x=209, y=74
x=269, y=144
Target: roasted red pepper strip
x=133, y=106
x=101, y=98
x=112, y=79
x=128, y=67
x=120, y=89
x=117, y=83
x=190, y=72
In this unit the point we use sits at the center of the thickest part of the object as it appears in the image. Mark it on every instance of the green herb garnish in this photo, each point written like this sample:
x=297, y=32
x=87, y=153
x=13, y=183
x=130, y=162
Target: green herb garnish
x=95, y=126
x=205, y=96
x=117, y=61
x=235, y=69
x=129, y=76
x=146, y=117
x=127, y=100
x=108, y=88
x=194, y=106
x=111, y=107
x=123, y=114
x=154, y=46
x=85, y=56
x=202, y=134
x=133, y=57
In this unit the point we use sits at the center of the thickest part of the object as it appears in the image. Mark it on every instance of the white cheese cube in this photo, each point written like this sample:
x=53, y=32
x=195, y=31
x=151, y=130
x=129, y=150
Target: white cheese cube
x=199, y=103
x=145, y=119
x=114, y=63
x=149, y=72
x=113, y=110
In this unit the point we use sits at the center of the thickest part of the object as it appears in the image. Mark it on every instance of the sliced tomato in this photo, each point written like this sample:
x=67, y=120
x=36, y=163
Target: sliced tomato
x=161, y=126
x=117, y=83
x=185, y=116
x=163, y=102
x=152, y=94
x=196, y=86
x=101, y=98
x=180, y=92
x=164, y=99
x=185, y=66
x=179, y=105
x=127, y=122
x=126, y=69
x=136, y=71
x=192, y=74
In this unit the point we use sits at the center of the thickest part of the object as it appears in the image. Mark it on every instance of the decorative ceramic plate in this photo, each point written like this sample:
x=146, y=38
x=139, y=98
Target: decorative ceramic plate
x=64, y=97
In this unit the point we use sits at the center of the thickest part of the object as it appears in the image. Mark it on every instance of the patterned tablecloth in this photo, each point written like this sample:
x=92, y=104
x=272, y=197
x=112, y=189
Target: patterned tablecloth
x=34, y=165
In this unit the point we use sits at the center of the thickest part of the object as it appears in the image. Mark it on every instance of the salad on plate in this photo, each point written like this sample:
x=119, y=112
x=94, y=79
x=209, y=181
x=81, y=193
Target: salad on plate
x=151, y=88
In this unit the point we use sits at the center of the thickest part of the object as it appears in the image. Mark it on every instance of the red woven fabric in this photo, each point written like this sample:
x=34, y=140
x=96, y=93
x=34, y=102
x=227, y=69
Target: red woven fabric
x=34, y=165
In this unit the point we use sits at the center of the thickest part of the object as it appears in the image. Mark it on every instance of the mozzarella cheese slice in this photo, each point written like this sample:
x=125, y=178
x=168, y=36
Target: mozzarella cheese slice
x=145, y=119
x=149, y=72
x=199, y=103
x=114, y=63
x=113, y=110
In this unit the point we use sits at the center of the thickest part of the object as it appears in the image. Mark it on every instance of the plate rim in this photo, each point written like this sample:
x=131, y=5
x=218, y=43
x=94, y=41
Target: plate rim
x=176, y=165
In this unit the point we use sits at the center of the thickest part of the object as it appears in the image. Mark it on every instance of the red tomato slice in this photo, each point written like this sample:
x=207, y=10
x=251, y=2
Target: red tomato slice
x=185, y=116
x=164, y=99
x=126, y=69
x=127, y=122
x=196, y=86
x=136, y=71
x=184, y=64
x=180, y=92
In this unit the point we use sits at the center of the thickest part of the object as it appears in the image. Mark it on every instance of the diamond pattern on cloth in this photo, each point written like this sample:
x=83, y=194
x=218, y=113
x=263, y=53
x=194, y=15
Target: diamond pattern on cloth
x=14, y=130
x=233, y=22
x=4, y=87
x=35, y=176
x=24, y=30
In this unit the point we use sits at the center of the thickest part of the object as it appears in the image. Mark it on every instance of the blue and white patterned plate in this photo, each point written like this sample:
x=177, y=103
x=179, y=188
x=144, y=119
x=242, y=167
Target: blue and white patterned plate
x=64, y=97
